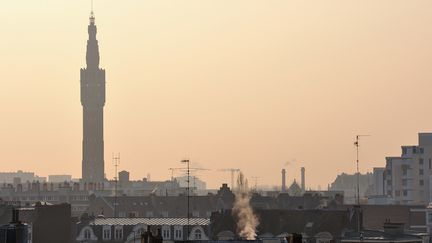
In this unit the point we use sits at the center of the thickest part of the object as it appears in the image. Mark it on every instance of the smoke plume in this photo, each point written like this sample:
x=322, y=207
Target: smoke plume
x=242, y=211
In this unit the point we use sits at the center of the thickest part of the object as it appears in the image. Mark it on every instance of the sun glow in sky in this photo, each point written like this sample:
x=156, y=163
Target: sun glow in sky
x=245, y=84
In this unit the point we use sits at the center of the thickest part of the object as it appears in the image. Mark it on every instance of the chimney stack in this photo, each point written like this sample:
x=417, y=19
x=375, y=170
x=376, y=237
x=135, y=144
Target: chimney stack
x=283, y=180
x=303, y=186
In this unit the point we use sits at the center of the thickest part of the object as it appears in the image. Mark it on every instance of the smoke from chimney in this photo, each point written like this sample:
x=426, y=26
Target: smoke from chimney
x=242, y=211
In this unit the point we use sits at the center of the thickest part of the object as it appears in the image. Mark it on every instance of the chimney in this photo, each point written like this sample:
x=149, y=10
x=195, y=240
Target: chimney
x=283, y=180
x=303, y=186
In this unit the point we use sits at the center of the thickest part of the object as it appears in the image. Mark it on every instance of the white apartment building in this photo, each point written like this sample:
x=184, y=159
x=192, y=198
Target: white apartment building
x=407, y=178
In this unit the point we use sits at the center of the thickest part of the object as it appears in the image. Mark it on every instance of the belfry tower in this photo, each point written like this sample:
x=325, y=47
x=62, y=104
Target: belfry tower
x=93, y=101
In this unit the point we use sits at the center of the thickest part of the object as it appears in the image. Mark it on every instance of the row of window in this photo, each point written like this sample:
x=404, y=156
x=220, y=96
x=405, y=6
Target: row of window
x=48, y=198
x=163, y=214
x=398, y=193
x=35, y=198
x=106, y=233
x=79, y=198
x=118, y=233
x=415, y=150
x=405, y=182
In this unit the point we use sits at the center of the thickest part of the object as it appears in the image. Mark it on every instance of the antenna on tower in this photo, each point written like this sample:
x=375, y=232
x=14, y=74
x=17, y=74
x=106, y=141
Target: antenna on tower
x=92, y=17
x=356, y=144
x=116, y=161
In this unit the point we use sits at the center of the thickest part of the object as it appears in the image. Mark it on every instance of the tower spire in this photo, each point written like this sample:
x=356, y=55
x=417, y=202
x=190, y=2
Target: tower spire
x=93, y=101
x=92, y=17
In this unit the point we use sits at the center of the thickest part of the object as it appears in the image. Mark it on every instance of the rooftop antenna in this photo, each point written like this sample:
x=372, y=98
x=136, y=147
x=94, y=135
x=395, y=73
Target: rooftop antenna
x=116, y=161
x=188, y=181
x=356, y=144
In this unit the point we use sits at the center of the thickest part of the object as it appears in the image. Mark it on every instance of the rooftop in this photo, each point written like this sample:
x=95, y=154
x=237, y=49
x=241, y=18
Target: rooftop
x=150, y=221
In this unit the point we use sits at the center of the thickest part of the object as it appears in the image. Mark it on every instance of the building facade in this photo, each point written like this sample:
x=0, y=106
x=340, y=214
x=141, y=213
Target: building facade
x=93, y=101
x=407, y=177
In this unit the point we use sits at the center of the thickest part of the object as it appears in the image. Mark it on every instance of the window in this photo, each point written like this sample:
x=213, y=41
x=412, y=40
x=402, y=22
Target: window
x=405, y=193
x=149, y=214
x=87, y=234
x=420, y=161
x=420, y=171
x=421, y=182
x=198, y=234
x=389, y=182
x=106, y=233
x=165, y=232
x=404, y=171
x=397, y=193
x=178, y=232
x=118, y=233
x=421, y=150
x=195, y=214
x=404, y=150
x=122, y=214
x=414, y=150
x=404, y=182
x=430, y=164
x=389, y=192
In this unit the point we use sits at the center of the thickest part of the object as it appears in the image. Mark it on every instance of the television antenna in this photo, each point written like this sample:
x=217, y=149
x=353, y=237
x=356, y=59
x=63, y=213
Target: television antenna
x=116, y=161
x=357, y=144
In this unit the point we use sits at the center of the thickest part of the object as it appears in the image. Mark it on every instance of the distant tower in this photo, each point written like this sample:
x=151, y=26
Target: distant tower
x=303, y=186
x=93, y=101
x=283, y=180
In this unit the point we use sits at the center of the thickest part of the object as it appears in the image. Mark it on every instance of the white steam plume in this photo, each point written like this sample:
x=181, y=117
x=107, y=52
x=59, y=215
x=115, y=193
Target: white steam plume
x=247, y=221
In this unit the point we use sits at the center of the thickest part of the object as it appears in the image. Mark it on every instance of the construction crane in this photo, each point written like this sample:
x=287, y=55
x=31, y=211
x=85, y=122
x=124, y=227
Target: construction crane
x=232, y=170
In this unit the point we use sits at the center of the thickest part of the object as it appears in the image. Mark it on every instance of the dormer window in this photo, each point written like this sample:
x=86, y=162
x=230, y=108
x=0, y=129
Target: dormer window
x=178, y=232
x=118, y=233
x=87, y=234
x=106, y=232
x=198, y=234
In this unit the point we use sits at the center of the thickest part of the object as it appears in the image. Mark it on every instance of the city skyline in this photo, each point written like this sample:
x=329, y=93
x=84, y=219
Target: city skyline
x=197, y=80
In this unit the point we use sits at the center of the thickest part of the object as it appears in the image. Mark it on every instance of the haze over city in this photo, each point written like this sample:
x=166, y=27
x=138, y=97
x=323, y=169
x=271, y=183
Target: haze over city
x=248, y=84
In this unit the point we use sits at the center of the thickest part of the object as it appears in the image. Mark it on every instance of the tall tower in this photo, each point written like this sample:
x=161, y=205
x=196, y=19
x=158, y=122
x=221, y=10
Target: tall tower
x=93, y=101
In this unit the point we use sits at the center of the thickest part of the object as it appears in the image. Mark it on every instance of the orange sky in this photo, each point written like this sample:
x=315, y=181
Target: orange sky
x=245, y=83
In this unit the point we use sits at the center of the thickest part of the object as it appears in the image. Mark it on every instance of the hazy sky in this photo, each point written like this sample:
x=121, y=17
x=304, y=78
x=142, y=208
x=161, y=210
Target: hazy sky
x=227, y=83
